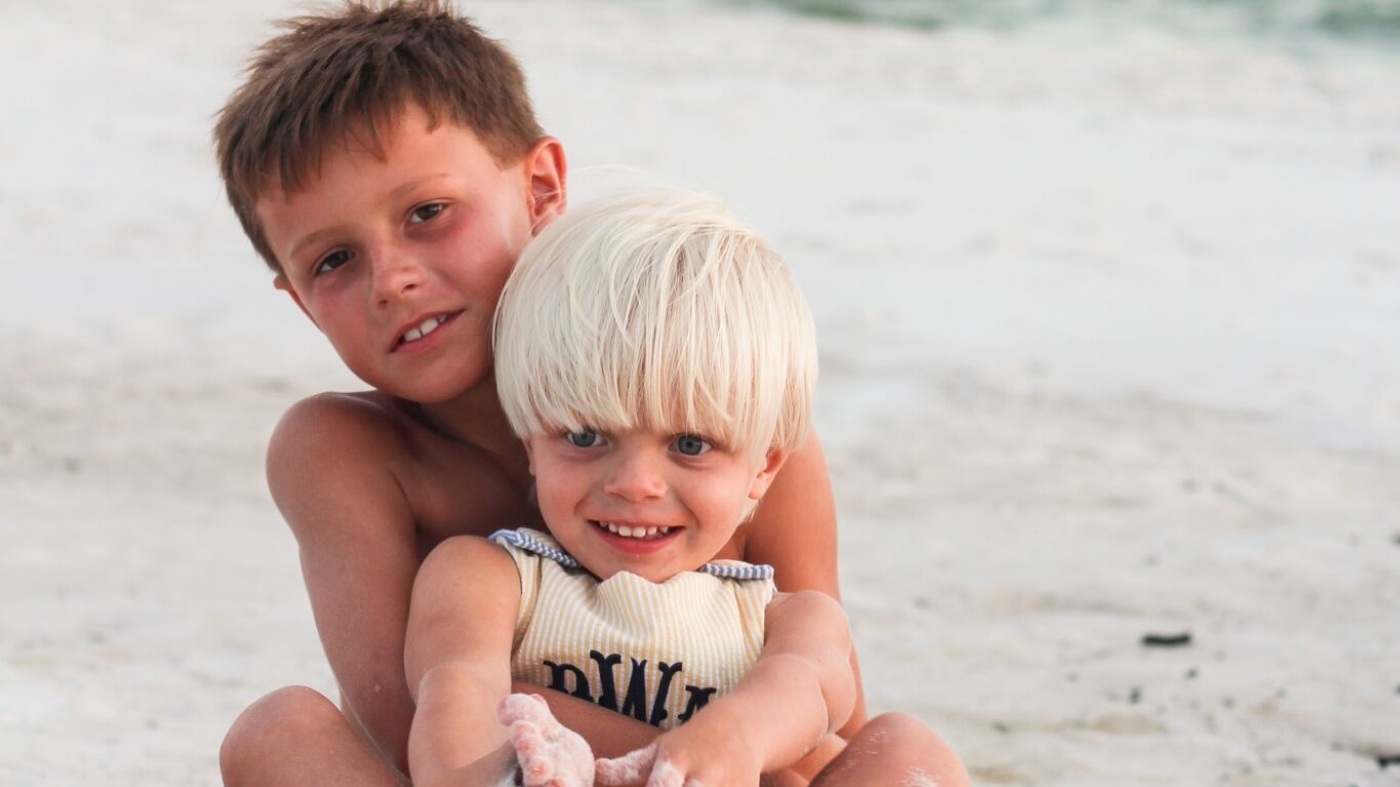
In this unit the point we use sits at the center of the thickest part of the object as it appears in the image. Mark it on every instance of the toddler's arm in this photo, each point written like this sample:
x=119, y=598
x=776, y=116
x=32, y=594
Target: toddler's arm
x=457, y=660
x=801, y=689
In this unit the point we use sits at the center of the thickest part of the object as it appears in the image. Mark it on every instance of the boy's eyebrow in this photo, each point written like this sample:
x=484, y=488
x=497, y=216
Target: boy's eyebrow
x=404, y=188
x=309, y=240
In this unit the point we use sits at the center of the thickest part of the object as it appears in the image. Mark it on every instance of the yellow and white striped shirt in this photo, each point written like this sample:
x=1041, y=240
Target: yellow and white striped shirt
x=656, y=652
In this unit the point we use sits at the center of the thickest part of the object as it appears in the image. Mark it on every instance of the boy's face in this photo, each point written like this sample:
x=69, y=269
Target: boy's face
x=400, y=259
x=650, y=503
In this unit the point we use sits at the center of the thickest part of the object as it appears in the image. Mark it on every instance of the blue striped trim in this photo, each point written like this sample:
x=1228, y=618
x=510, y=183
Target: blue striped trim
x=724, y=570
x=529, y=543
x=745, y=571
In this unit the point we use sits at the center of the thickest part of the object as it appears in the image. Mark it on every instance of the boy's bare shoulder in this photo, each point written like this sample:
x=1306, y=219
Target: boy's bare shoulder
x=339, y=428
x=369, y=450
x=346, y=416
x=332, y=452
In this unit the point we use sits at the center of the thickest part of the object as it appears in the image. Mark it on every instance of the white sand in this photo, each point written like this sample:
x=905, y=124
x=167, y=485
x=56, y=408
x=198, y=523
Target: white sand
x=1109, y=329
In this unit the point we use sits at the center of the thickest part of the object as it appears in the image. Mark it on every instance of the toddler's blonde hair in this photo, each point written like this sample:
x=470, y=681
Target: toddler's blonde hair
x=654, y=308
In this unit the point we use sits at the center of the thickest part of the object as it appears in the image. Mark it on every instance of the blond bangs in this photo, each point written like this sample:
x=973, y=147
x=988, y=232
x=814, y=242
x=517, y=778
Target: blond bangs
x=655, y=310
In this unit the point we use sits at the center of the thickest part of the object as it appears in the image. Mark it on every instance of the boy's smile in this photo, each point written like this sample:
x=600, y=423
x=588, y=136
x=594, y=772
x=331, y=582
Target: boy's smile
x=399, y=258
x=424, y=328
x=650, y=503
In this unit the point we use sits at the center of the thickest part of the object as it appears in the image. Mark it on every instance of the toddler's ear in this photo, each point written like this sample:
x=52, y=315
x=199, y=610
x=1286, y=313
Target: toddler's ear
x=282, y=284
x=772, y=463
x=530, y=453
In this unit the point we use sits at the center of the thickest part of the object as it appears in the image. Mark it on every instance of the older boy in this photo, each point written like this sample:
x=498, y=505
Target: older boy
x=387, y=166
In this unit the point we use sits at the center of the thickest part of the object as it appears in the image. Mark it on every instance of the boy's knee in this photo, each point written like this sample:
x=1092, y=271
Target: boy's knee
x=277, y=719
x=906, y=739
x=900, y=729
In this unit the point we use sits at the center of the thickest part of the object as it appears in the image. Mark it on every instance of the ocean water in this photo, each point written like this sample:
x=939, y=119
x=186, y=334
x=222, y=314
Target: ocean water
x=1293, y=23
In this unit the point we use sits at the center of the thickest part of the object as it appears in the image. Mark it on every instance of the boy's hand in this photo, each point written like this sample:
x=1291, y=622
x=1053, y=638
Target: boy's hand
x=694, y=755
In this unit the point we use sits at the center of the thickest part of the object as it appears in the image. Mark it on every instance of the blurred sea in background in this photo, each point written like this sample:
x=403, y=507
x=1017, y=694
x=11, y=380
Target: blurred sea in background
x=1302, y=25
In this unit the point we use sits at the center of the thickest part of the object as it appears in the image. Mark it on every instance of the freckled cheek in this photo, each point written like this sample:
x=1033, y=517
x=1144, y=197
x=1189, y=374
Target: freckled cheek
x=482, y=265
x=334, y=314
x=514, y=231
x=343, y=326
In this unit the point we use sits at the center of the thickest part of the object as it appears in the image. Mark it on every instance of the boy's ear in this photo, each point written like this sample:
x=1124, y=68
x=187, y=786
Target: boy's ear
x=772, y=463
x=546, y=175
x=282, y=284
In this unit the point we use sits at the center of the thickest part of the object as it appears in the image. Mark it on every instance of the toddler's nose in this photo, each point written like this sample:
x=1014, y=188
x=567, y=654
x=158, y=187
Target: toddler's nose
x=635, y=477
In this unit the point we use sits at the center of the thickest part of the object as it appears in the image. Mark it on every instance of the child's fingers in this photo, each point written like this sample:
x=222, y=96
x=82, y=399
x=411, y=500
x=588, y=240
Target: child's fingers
x=630, y=768
x=664, y=774
x=549, y=754
x=532, y=753
x=523, y=707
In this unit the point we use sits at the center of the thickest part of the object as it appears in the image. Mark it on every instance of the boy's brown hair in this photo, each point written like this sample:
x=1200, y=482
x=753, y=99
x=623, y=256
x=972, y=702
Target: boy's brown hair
x=343, y=76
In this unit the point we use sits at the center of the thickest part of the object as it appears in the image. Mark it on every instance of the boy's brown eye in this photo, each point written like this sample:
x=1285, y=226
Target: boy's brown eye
x=331, y=261
x=424, y=213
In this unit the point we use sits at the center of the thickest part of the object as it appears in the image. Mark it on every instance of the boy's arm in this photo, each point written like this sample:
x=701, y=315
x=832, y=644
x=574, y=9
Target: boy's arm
x=794, y=530
x=794, y=527
x=330, y=468
x=800, y=690
x=457, y=661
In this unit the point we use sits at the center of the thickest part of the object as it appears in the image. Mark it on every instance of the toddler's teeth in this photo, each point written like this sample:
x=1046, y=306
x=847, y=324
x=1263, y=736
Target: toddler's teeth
x=640, y=531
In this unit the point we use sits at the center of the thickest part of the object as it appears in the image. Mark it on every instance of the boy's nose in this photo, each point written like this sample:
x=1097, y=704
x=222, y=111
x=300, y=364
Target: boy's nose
x=635, y=477
x=395, y=277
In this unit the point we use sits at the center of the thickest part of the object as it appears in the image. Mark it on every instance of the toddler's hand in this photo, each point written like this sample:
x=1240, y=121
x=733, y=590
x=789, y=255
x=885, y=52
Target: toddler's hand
x=550, y=754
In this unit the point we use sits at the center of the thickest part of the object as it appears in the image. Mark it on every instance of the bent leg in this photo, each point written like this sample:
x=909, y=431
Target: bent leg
x=295, y=736
x=898, y=750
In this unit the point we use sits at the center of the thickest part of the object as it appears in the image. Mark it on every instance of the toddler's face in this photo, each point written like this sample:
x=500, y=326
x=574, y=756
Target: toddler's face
x=650, y=503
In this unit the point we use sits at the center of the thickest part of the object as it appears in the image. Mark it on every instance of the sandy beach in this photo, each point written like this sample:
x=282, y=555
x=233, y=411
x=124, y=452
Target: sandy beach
x=1109, y=325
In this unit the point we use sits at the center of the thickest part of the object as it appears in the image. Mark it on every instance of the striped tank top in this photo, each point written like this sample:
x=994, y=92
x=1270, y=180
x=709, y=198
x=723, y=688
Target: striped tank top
x=656, y=652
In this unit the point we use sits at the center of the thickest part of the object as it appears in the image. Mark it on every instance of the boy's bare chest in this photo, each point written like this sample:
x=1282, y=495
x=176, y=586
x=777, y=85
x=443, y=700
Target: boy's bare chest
x=457, y=489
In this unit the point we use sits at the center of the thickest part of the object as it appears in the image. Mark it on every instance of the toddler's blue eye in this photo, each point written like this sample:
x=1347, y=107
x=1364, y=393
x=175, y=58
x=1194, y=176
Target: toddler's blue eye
x=586, y=438
x=691, y=445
